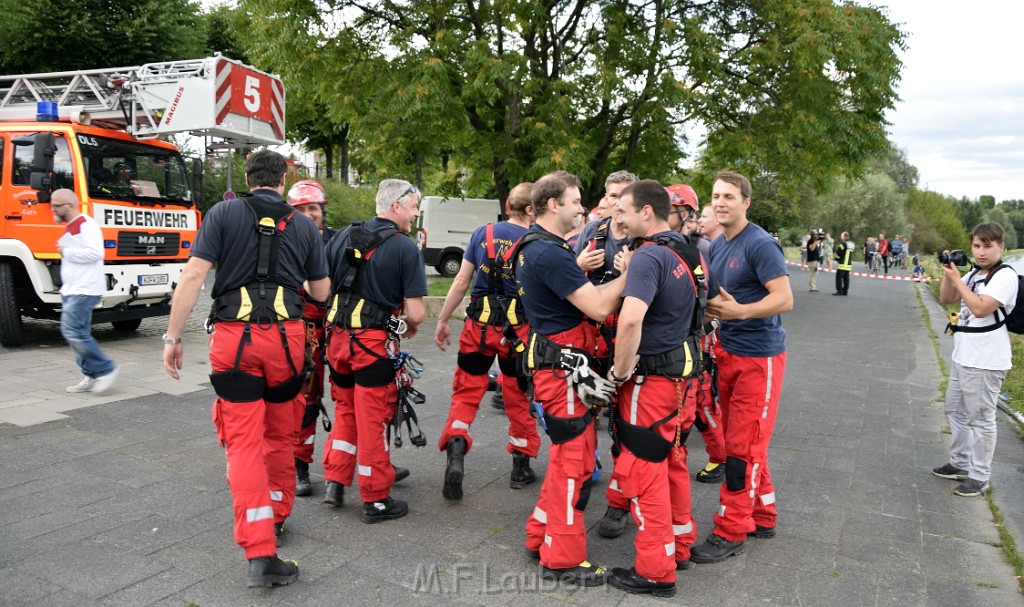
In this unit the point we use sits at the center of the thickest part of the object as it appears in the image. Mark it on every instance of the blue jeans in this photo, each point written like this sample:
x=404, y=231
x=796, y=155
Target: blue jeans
x=75, y=327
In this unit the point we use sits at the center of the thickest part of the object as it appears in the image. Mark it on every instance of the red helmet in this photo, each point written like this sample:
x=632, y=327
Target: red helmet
x=683, y=195
x=307, y=191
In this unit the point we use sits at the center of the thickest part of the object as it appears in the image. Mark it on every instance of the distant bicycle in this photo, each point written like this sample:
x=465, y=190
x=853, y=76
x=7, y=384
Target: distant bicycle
x=874, y=262
x=898, y=261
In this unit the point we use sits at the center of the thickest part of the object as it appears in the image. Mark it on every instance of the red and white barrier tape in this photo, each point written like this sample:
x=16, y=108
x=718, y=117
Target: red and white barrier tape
x=868, y=275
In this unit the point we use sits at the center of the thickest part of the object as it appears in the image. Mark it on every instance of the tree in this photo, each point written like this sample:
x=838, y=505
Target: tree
x=969, y=212
x=936, y=222
x=863, y=207
x=1000, y=216
x=897, y=166
x=57, y=35
x=517, y=88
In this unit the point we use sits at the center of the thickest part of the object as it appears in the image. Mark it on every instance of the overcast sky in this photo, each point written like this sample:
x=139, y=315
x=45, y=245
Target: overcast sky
x=961, y=118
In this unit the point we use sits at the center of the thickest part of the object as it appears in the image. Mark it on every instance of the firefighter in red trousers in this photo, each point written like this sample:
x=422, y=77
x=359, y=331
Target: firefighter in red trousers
x=375, y=270
x=264, y=251
x=596, y=248
x=658, y=352
x=309, y=198
x=709, y=414
x=751, y=358
x=556, y=295
x=495, y=326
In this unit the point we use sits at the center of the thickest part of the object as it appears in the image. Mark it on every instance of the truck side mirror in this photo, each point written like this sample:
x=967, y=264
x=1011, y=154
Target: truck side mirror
x=42, y=163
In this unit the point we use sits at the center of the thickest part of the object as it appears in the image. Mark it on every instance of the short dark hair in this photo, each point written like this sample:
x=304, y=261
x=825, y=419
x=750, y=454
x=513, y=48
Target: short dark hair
x=264, y=169
x=552, y=185
x=519, y=199
x=988, y=232
x=737, y=180
x=649, y=192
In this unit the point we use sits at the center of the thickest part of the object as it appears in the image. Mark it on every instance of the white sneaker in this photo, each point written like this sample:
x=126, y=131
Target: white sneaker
x=86, y=385
x=103, y=383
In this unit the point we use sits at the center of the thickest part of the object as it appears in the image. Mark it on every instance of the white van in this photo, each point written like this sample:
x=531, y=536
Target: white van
x=445, y=225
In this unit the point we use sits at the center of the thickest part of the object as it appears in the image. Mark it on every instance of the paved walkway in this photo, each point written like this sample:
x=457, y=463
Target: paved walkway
x=124, y=502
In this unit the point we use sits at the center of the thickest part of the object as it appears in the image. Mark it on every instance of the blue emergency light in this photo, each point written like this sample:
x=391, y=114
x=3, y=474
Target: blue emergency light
x=46, y=111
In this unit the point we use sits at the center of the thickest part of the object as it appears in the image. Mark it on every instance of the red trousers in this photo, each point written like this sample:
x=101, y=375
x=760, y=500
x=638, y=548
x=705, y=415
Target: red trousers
x=658, y=492
x=749, y=389
x=257, y=435
x=468, y=388
x=364, y=408
x=313, y=392
x=709, y=419
x=557, y=527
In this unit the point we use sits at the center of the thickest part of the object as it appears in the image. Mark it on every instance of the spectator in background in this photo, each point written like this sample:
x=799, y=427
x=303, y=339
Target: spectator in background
x=826, y=249
x=803, y=251
x=884, y=251
x=813, y=256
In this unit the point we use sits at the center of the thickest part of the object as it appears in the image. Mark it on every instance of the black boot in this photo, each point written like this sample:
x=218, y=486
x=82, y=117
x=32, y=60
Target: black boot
x=387, y=509
x=613, y=523
x=715, y=550
x=454, y=471
x=400, y=473
x=303, y=486
x=334, y=493
x=269, y=571
x=498, y=400
x=633, y=583
x=522, y=474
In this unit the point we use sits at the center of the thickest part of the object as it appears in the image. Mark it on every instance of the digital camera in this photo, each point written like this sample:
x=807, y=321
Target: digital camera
x=955, y=257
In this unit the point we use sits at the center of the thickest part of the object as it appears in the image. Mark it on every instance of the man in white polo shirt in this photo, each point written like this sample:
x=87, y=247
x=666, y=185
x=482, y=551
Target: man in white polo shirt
x=82, y=286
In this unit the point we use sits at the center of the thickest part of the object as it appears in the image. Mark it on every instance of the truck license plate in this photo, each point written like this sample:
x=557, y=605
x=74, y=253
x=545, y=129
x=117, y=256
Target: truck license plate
x=152, y=279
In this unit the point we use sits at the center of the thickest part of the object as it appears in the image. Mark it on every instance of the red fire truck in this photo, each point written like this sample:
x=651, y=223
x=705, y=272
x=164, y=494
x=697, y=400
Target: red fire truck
x=102, y=133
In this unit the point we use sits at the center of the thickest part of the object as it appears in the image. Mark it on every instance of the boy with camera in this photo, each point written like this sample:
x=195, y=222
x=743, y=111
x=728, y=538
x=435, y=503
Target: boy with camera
x=981, y=355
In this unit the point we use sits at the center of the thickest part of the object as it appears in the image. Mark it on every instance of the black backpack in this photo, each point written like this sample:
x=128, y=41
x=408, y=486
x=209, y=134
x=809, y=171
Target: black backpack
x=1014, y=321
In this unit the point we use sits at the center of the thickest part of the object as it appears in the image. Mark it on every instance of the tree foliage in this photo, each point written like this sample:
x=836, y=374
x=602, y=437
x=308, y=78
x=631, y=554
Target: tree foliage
x=62, y=35
x=510, y=89
x=863, y=207
x=936, y=223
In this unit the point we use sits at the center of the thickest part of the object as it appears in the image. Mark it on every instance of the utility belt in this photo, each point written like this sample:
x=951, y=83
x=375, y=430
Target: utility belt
x=351, y=312
x=258, y=302
x=542, y=353
x=564, y=429
x=644, y=441
x=679, y=363
x=496, y=310
x=235, y=385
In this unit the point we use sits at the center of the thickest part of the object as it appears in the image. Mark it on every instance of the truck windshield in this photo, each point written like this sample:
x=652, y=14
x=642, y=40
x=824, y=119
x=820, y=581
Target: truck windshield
x=126, y=170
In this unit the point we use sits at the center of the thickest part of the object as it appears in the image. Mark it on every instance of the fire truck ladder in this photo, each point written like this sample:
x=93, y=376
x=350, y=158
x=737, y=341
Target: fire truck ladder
x=137, y=99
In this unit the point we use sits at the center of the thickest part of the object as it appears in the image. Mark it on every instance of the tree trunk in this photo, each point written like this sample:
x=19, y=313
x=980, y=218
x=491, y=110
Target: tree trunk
x=345, y=169
x=329, y=161
x=419, y=171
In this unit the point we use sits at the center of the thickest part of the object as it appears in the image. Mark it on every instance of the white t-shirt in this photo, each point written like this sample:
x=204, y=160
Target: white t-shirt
x=989, y=350
x=81, y=266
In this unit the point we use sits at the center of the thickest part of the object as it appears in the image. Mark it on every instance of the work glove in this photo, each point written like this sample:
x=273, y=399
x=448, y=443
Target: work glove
x=592, y=388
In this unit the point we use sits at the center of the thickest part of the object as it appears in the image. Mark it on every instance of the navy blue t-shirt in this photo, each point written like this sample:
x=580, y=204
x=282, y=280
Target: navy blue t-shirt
x=546, y=273
x=393, y=272
x=228, y=238
x=659, y=278
x=478, y=253
x=742, y=266
x=612, y=246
